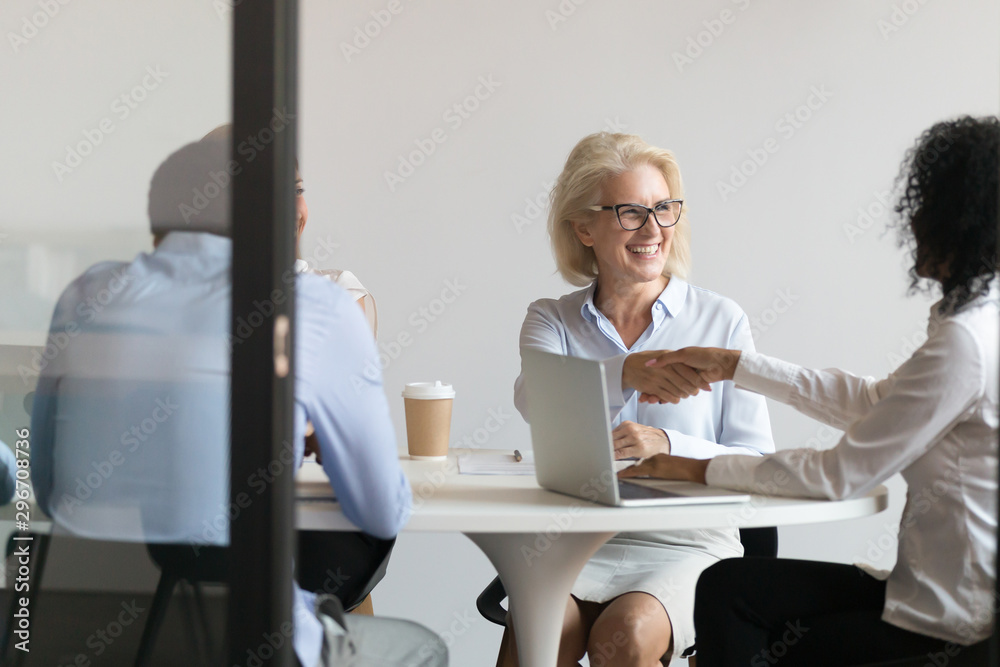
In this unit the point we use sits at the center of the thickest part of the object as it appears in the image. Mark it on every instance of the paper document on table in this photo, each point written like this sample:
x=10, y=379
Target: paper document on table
x=481, y=463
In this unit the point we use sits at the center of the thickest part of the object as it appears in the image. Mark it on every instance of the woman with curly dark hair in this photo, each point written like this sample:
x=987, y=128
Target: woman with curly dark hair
x=934, y=419
x=948, y=208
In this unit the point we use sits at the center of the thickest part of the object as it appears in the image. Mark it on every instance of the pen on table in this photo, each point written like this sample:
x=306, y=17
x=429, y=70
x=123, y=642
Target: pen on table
x=517, y=456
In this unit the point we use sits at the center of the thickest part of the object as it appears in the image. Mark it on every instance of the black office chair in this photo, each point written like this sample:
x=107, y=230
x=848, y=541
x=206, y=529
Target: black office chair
x=757, y=542
x=176, y=562
x=180, y=562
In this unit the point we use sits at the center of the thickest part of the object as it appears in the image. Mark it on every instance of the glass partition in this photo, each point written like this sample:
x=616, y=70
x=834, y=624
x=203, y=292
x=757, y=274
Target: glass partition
x=114, y=360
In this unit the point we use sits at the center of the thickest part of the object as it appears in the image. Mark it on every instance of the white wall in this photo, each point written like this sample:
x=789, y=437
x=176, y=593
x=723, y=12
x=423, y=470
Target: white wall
x=65, y=68
x=891, y=68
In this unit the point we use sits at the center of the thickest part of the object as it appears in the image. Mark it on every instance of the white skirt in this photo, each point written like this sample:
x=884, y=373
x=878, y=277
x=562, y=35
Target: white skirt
x=665, y=565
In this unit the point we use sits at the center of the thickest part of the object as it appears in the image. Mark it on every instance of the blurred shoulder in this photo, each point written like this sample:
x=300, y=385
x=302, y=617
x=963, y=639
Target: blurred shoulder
x=315, y=291
x=325, y=312
x=101, y=273
x=102, y=282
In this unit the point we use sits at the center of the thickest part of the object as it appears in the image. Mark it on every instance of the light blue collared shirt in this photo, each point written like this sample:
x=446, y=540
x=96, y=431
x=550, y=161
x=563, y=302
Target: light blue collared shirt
x=726, y=420
x=131, y=417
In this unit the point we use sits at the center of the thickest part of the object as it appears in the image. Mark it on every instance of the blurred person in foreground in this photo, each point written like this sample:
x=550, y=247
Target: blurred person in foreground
x=619, y=231
x=140, y=396
x=342, y=563
x=934, y=420
x=348, y=565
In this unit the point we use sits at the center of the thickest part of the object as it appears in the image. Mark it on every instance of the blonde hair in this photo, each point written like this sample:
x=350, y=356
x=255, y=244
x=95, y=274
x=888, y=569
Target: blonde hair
x=596, y=159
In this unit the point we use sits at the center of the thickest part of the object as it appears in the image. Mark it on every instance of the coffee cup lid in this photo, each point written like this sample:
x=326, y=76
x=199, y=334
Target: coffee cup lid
x=428, y=390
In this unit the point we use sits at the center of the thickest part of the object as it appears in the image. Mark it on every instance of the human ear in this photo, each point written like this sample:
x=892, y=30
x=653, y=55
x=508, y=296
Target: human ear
x=583, y=233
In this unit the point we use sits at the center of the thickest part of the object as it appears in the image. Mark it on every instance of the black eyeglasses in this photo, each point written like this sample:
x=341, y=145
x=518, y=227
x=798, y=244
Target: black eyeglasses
x=633, y=216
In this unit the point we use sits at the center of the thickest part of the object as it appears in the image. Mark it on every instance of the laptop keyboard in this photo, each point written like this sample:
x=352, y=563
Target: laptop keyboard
x=630, y=491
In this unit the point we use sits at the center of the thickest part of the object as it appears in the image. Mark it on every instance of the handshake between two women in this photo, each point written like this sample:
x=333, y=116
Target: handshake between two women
x=664, y=376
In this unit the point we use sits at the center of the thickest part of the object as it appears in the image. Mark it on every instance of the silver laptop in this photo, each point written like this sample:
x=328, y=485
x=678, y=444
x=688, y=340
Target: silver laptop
x=571, y=438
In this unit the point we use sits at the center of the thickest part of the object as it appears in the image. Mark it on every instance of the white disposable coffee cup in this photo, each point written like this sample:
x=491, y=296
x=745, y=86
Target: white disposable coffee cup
x=428, y=419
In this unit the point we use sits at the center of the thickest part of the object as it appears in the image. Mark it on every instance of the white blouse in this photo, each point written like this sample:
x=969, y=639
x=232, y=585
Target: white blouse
x=934, y=420
x=351, y=284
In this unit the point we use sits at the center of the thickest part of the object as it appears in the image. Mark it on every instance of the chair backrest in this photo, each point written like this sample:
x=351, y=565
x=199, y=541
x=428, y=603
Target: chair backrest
x=759, y=542
x=141, y=461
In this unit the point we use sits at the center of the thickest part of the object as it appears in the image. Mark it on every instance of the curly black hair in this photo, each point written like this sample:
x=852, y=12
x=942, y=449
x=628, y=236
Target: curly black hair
x=947, y=210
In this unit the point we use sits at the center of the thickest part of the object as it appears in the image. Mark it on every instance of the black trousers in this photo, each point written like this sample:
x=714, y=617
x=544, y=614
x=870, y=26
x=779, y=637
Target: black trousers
x=759, y=612
x=342, y=564
x=346, y=565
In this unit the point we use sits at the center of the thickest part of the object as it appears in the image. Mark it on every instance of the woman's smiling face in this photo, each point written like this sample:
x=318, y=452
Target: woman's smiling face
x=623, y=256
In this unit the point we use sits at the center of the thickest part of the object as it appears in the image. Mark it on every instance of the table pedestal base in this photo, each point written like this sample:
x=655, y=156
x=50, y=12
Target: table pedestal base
x=538, y=571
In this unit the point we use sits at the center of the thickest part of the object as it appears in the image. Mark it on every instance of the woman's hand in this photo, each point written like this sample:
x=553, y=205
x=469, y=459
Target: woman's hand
x=709, y=364
x=636, y=441
x=664, y=466
x=660, y=383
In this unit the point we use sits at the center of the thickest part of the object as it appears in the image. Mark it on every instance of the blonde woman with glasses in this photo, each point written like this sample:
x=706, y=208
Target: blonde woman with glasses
x=620, y=232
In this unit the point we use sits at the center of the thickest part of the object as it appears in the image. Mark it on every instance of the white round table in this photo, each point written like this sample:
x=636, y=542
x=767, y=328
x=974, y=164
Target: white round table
x=539, y=540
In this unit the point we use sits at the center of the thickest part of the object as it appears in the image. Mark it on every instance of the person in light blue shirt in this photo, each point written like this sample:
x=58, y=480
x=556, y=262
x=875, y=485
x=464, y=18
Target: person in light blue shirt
x=619, y=231
x=131, y=419
x=8, y=472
